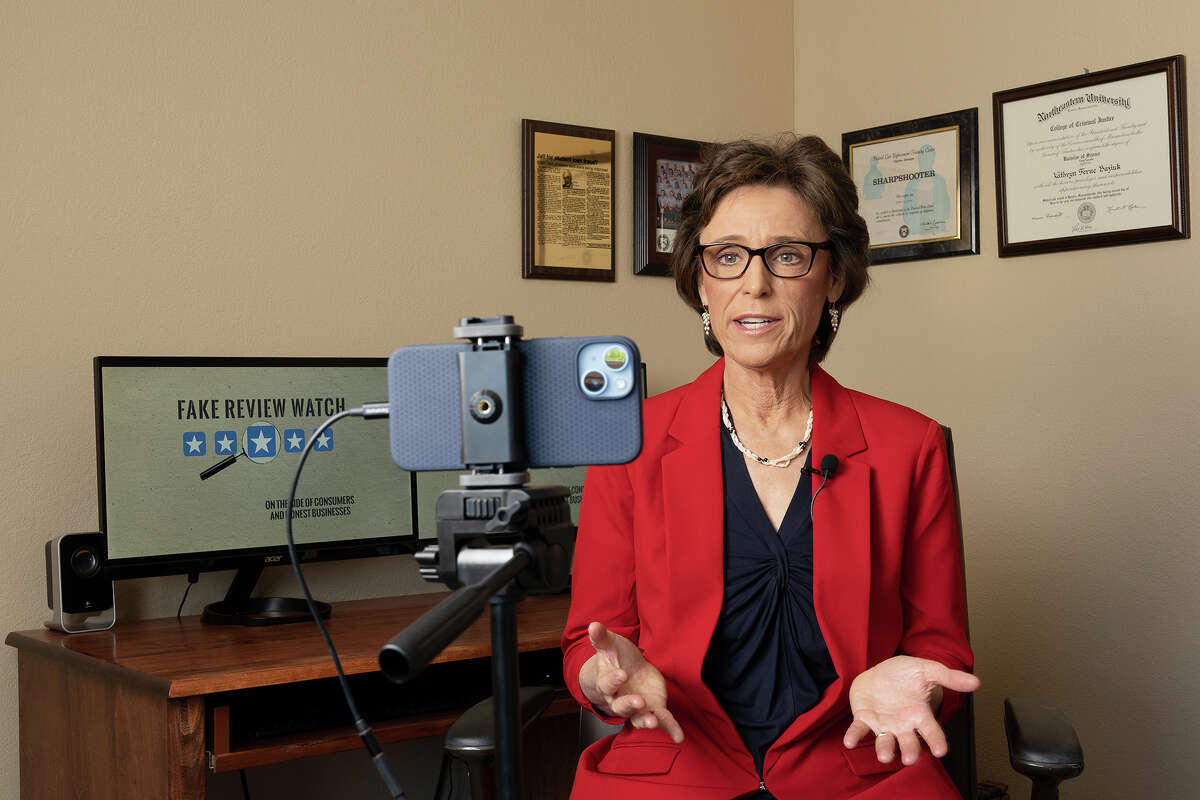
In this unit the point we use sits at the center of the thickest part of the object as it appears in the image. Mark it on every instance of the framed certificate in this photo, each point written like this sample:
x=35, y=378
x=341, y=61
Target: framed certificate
x=567, y=201
x=918, y=185
x=663, y=170
x=1095, y=160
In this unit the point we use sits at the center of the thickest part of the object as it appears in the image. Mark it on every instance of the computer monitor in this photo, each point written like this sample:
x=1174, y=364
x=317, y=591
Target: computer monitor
x=162, y=422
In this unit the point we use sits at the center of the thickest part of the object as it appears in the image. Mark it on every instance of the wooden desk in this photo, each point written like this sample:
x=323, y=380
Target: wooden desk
x=140, y=711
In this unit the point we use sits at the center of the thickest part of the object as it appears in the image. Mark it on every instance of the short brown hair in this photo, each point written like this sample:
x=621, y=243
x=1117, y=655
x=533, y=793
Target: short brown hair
x=804, y=164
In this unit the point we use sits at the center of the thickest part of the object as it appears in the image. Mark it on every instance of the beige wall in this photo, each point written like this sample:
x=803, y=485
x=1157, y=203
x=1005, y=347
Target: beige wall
x=1070, y=381
x=222, y=179
x=303, y=178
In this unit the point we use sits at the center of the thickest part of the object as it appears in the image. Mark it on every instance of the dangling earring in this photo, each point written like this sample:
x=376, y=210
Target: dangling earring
x=707, y=321
x=834, y=314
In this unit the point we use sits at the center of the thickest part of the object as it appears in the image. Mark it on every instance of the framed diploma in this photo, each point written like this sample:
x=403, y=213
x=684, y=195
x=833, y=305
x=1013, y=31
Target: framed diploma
x=663, y=170
x=918, y=185
x=567, y=201
x=1095, y=160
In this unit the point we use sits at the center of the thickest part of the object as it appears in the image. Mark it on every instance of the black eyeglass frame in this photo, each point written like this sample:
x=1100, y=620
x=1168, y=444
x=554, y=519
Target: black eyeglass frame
x=761, y=252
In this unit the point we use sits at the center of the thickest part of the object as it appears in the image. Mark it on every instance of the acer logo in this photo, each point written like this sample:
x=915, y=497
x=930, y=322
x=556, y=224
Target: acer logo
x=272, y=559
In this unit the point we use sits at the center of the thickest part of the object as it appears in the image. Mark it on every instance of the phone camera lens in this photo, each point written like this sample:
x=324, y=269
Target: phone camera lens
x=594, y=381
x=615, y=357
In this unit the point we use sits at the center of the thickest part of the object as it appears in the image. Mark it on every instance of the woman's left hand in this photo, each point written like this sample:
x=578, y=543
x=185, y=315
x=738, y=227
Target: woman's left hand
x=897, y=699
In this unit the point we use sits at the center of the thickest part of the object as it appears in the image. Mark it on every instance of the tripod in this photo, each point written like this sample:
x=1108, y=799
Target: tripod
x=497, y=538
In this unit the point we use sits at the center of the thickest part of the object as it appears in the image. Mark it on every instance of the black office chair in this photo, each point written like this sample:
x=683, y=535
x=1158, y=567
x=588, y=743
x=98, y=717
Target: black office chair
x=469, y=752
x=1042, y=743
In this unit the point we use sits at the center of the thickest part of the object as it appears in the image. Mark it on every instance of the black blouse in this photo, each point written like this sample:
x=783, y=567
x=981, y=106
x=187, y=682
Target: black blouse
x=767, y=662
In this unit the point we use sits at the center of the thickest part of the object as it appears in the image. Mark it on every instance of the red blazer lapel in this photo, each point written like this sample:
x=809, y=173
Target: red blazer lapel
x=694, y=512
x=841, y=528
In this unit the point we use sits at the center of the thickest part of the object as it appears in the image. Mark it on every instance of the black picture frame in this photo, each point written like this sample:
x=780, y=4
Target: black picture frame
x=1068, y=208
x=953, y=223
x=584, y=160
x=653, y=237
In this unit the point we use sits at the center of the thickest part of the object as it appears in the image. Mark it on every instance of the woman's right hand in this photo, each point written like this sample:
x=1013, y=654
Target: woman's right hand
x=620, y=682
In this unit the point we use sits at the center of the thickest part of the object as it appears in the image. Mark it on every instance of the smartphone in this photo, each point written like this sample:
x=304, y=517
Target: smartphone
x=582, y=403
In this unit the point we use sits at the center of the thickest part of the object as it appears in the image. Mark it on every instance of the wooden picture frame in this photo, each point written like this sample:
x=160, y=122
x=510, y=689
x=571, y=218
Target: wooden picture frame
x=663, y=169
x=567, y=210
x=1094, y=160
x=917, y=205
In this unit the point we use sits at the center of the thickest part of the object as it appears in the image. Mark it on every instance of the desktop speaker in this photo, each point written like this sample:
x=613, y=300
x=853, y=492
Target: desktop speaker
x=78, y=593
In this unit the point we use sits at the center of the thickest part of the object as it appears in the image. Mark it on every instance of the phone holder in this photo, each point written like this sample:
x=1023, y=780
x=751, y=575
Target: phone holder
x=497, y=538
x=494, y=508
x=490, y=392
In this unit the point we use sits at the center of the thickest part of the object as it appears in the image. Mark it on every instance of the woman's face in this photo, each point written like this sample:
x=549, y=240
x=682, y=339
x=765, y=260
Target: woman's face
x=763, y=321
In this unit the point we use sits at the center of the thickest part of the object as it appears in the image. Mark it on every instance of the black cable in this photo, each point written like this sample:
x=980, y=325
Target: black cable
x=191, y=578
x=824, y=477
x=245, y=786
x=369, y=411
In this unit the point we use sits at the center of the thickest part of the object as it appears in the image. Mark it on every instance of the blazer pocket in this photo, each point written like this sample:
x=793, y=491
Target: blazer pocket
x=638, y=759
x=863, y=762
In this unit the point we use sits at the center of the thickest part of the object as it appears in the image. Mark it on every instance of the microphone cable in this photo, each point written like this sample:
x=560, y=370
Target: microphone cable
x=829, y=465
x=366, y=411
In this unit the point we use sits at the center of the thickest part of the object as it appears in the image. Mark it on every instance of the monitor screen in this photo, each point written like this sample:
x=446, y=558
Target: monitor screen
x=161, y=422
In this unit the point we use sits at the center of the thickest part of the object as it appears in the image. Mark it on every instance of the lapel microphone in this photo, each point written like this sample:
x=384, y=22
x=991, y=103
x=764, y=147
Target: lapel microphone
x=829, y=465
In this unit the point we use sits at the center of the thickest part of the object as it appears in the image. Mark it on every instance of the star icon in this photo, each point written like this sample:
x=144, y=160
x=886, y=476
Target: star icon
x=295, y=441
x=194, y=444
x=261, y=443
x=323, y=441
x=225, y=445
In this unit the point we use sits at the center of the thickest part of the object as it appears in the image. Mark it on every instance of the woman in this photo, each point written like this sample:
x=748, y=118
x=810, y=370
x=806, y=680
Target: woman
x=762, y=631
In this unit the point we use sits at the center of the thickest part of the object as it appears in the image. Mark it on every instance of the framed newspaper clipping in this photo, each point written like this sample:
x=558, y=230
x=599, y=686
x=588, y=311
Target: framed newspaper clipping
x=663, y=170
x=567, y=201
x=918, y=185
x=1094, y=160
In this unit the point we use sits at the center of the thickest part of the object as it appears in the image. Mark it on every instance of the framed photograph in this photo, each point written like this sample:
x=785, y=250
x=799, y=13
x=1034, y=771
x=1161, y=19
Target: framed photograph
x=663, y=169
x=567, y=201
x=1095, y=160
x=918, y=185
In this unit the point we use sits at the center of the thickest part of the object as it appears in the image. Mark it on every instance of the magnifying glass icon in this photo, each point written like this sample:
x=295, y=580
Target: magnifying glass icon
x=260, y=444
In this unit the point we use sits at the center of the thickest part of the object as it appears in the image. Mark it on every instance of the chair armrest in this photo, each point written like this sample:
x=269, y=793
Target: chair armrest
x=473, y=735
x=593, y=729
x=1042, y=744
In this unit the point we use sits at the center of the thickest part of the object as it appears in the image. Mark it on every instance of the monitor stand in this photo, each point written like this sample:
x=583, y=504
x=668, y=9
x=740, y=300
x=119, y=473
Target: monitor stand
x=239, y=608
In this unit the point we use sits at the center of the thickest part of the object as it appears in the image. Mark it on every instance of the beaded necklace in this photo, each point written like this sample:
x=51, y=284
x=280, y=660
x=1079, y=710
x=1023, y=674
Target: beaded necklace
x=783, y=461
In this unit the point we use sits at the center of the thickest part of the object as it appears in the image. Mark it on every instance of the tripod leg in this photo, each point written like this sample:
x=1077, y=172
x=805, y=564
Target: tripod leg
x=506, y=681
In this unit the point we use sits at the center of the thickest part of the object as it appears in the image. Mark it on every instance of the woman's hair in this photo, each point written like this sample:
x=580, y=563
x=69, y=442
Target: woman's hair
x=807, y=166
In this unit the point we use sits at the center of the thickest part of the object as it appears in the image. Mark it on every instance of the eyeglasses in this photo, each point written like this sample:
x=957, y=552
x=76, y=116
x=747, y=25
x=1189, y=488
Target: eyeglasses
x=726, y=261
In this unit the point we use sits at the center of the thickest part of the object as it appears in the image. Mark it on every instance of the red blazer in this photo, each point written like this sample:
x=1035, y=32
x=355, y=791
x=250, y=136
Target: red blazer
x=887, y=580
